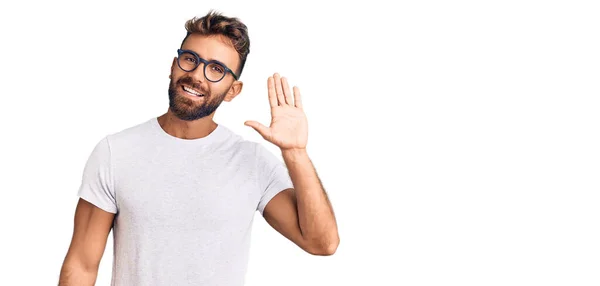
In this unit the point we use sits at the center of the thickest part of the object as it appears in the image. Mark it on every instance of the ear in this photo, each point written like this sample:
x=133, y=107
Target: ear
x=173, y=65
x=234, y=90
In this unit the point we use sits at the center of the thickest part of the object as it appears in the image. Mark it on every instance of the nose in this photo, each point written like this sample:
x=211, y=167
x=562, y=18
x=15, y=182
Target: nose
x=198, y=74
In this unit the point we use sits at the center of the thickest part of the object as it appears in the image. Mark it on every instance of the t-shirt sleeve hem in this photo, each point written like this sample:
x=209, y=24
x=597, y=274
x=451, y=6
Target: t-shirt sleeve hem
x=270, y=195
x=92, y=200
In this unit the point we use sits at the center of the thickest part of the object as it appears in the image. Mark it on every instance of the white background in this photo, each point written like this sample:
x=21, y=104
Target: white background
x=458, y=140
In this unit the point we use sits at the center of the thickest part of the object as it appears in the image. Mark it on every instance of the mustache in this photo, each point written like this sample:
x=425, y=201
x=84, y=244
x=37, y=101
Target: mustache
x=189, y=81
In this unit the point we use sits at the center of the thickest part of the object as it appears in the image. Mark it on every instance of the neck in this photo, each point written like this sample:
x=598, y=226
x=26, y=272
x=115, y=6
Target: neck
x=186, y=129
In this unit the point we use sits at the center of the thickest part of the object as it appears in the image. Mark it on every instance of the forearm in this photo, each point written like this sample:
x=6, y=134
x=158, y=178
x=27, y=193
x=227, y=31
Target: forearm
x=315, y=214
x=72, y=274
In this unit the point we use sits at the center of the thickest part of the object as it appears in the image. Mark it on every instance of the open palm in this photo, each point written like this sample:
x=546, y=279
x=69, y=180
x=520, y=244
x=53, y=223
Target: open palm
x=289, y=127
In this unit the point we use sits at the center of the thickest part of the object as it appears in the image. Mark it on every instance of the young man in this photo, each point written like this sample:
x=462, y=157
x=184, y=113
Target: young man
x=180, y=191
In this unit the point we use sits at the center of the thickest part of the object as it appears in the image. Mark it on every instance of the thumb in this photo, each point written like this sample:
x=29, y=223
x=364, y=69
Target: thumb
x=261, y=129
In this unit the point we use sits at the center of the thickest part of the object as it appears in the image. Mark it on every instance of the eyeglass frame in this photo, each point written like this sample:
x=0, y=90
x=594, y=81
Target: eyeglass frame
x=206, y=63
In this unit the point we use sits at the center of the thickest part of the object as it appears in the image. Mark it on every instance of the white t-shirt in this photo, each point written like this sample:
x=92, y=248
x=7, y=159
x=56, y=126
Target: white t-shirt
x=184, y=208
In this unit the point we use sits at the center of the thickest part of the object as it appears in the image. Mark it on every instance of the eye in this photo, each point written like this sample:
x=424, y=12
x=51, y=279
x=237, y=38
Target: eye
x=189, y=58
x=218, y=68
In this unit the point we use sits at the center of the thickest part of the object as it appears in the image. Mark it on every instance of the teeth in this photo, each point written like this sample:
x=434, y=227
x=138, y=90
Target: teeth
x=191, y=91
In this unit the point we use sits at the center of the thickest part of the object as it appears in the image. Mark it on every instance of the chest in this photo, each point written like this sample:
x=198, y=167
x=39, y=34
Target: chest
x=187, y=192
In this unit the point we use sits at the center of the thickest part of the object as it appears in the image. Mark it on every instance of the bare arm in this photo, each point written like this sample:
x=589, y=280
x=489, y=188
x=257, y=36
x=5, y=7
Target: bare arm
x=91, y=228
x=304, y=214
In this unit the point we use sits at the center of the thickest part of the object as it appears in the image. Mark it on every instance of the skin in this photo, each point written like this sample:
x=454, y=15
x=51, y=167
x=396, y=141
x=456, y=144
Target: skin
x=302, y=214
x=91, y=228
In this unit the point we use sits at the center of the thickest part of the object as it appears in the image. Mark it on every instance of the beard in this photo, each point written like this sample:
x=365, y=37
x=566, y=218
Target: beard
x=185, y=108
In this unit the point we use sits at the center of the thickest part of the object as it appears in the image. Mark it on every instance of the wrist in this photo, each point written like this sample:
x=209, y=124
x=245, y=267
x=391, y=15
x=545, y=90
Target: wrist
x=294, y=153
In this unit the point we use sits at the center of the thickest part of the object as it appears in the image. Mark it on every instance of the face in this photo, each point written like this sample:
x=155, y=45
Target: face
x=191, y=95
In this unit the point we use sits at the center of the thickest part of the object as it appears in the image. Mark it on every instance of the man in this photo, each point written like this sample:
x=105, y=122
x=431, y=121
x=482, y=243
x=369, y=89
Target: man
x=180, y=191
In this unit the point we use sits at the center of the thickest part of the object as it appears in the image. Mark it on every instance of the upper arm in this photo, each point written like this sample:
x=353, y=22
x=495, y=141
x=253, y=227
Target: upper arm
x=281, y=214
x=95, y=210
x=91, y=228
x=272, y=177
x=278, y=203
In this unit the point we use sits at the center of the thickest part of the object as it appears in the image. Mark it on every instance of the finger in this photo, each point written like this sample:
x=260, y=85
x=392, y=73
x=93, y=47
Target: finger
x=261, y=129
x=272, y=93
x=287, y=92
x=278, y=89
x=298, y=98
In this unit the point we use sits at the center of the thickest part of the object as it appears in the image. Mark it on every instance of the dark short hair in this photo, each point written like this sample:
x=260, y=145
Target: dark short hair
x=214, y=23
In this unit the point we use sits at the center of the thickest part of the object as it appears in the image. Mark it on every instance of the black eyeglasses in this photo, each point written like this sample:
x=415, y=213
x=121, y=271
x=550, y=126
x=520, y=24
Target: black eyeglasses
x=214, y=71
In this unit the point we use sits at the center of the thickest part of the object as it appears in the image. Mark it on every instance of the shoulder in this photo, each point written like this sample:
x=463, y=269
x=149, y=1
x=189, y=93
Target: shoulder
x=260, y=153
x=132, y=134
x=237, y=142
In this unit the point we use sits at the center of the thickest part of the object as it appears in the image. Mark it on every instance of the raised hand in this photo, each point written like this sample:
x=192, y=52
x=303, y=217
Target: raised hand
x=289, y=127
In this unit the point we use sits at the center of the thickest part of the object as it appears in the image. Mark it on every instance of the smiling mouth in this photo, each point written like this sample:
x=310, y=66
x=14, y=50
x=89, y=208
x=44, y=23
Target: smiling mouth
x=191, y=92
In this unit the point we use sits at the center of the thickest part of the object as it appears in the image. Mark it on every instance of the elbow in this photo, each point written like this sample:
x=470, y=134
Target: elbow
x=324, y=248
x=330, y=249
x=74, y=267
x=76, y=275
x=78, y=263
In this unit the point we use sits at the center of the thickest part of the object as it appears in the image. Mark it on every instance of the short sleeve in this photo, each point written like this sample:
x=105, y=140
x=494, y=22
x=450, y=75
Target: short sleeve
x=273, y=176
x=97, y=182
